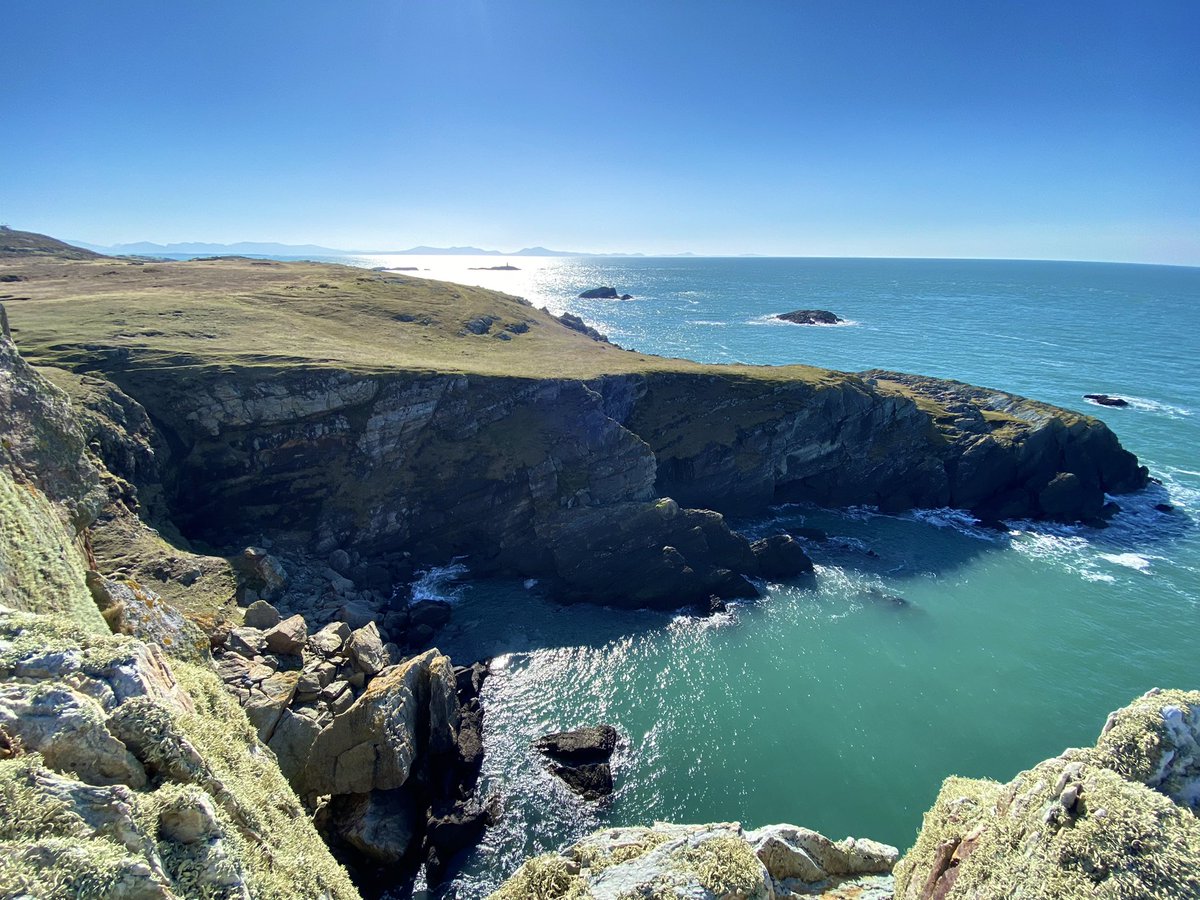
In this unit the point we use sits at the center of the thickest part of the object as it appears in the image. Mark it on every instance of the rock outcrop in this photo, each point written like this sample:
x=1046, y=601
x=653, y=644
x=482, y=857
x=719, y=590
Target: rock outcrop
x=581, y=758
x=810, y=317
x=1115, y=820
x=720, y=861
x=603, y=293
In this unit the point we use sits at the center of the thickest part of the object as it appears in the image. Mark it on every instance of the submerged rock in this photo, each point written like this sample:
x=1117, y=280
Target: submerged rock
x=781, y=556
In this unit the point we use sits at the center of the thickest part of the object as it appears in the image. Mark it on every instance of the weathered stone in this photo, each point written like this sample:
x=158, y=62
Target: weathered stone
x=383, y=826
x=288, y=637
x=263, y=572
x=591, y=781
x=806, y=855
x=373, y=744
x=366, y=650
x=262, y=615
x=331, y=638
x=810, y=317
x=356, y=614
x=293, y=738
x=68, y=729
x=246, y=642
x=268, y=699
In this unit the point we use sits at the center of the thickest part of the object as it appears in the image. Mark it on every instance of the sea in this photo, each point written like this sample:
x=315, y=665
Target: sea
x=831, y=704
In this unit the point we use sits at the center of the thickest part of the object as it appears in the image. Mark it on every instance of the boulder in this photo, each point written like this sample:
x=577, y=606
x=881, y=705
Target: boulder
x=365, y=648
x=781, y=556
x=288, y=637
x=267, y=701
x=433, y=613
x=330, y=639
x=247, y=642
x=261, y=615
x=581, y=745
x=382, y=826
x=293, y=739
x=374, y=743
x=810, y=317
x=807, y=856
x=262, y=572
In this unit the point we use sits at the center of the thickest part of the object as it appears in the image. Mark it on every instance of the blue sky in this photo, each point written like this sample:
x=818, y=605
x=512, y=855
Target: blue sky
x=1047, y=130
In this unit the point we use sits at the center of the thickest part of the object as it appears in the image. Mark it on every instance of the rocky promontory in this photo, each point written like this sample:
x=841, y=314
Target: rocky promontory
x=340, y=409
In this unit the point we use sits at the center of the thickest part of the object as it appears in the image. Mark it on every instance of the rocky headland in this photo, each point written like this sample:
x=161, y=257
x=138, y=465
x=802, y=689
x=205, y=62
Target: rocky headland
x=215, y=473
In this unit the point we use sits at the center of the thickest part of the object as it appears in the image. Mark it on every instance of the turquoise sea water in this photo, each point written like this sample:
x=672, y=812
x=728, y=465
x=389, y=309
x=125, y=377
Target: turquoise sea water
x=824, y=704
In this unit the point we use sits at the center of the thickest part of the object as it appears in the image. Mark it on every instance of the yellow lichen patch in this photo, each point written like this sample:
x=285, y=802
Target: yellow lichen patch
x=598, y=856
x=1136, y=738
x=727, y=866
x=546, y=877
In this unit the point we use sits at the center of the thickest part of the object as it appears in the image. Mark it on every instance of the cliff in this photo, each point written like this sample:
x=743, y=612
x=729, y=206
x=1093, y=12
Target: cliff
x=334, y=408
x=126, y=771
x=1113, y=821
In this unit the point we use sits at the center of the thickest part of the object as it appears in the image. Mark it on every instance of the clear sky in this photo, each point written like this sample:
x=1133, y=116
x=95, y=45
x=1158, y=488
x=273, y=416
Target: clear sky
x=952, y=128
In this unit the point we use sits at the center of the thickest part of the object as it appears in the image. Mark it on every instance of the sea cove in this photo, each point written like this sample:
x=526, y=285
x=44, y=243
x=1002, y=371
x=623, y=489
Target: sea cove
x=824, y=696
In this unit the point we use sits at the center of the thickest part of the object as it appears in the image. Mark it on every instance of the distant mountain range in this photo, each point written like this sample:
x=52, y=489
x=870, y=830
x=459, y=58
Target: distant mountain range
x=251, y=248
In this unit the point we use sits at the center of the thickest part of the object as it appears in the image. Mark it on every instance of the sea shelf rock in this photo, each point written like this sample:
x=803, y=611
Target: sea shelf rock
x=582, y=758
x=603, y=293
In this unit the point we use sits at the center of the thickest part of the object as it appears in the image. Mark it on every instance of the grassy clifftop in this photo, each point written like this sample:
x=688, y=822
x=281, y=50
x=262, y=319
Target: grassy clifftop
x=242, y=312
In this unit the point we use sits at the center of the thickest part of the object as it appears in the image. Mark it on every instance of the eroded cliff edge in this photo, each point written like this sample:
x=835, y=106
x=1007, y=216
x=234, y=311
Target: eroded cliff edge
x=337, y=408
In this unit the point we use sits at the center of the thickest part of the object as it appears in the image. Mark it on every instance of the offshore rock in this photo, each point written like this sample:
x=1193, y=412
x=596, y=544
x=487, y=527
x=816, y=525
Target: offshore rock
x=716, y=861
x=810, y=317
x=1118, y=819
x=781, y=556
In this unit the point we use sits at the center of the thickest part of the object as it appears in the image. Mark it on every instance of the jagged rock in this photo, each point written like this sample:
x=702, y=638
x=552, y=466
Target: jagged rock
x=383, y=825
x=443, y=707
x=129, y=608
x=591, y=781
x=293, y=739
x=652, y=554
x=781, y=556
x=288, y=637
x=810, y=317
x=581, y=745
x=1117, y=819
x=267, y=701
x=339, y=561
x=373, y=744
x=805, y=855
x=68, y=729
x=262, y=615
x=457, y=826
x=1106, y=400
x=365, y=649
x=356, y=615
x=713, y=861
x=263, y=572
x=330, y=639
x=247, y=642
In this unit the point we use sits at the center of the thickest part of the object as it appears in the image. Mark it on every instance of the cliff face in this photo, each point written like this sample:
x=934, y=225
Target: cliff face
x=340, y=409
x=126, y=771
x=526, y=475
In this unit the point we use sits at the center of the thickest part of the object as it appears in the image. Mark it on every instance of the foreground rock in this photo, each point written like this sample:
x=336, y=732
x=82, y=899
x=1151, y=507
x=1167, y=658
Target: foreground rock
x=1115, y=820
x=718, y=861
x=582, y=759
x=810, y=317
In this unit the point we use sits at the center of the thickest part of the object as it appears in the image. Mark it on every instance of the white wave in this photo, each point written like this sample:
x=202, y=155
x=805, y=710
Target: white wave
x=958, y=519
x=530, y=583
x=1145, y=404
x=1128, y=560
x=706, y=322
x=440, y=582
